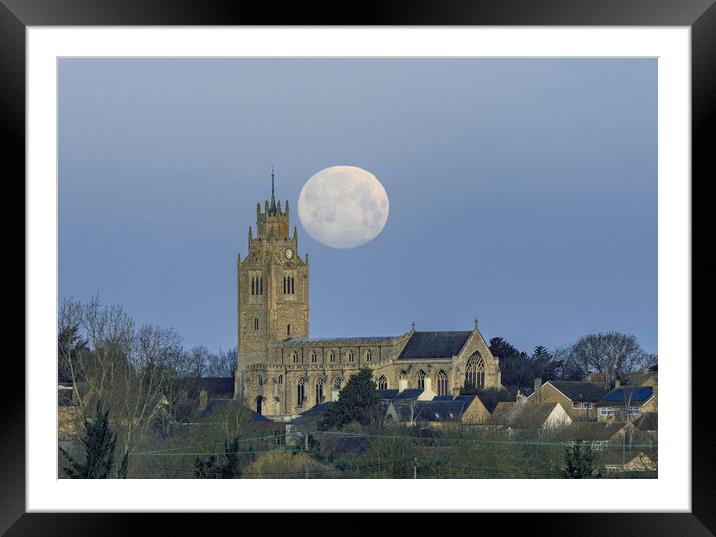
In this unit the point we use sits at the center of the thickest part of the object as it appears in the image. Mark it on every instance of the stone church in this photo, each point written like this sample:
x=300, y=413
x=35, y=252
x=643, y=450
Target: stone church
x=282, y=372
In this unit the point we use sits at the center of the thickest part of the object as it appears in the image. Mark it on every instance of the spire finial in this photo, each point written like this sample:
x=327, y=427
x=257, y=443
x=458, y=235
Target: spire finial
x=273, y=198
x=475, y=324
x=413, y=325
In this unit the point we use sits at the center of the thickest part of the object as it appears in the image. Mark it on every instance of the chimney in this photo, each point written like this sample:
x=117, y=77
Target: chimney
x=402, y=385
x=538, y=389
x=617, y=383
x=521, y=398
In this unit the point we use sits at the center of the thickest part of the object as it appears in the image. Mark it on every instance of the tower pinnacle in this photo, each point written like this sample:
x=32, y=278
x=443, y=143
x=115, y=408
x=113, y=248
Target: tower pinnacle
x=272, y=209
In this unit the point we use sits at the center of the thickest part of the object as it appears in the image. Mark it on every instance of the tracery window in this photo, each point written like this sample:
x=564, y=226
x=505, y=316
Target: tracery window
x=294, y=357
x=350, y=356
x=300, y=391
x=475, y=372
x=280, y=379
x=368, y=356
x=319, y=390
x=442, y=383
x=314, y=358
x=382, y=383
x=337, y=383
x=421, y=379
x=289, y=285
x=256, y=323
x=332, y=356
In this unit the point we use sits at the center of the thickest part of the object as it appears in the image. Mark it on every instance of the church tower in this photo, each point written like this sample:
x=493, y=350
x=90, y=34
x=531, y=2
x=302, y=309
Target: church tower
x=272, y=283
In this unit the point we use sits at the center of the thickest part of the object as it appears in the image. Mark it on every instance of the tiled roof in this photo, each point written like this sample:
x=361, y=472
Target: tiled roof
x=434, y=345
x=314, y=413
x=431, y=410
x=522, y=415
x=649, y=421
x=590, y=430
x=411, y=393
x=579, y=391
x=387, y=394
x=635, y=395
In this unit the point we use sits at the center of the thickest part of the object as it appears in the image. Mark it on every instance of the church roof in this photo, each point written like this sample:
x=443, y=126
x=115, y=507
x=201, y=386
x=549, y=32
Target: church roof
x=434, y=345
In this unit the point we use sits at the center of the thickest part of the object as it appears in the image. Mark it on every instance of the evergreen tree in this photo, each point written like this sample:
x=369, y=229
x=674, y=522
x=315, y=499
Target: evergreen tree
x=224, y=467
x=358, y=401
x=579, y=462
x=98, y=442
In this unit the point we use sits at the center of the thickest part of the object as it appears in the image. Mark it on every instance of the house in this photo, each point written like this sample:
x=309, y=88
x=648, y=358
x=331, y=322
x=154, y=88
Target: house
x=467, y=409
x=625, y=403
x=630, y=461
x=578, y=398
x=545, y=416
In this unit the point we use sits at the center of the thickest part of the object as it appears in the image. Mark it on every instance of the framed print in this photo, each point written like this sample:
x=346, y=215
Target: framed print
x=289, y=262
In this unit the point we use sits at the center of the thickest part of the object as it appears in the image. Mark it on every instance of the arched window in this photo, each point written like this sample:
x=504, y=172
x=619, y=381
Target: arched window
x=442, y=383
x=292, y=288
x=337, y=383
x=284, y=285
x=300, y=391
x=259, y=404
x=421, y=379
x=260, y=380
x=319, y=390
x=403, y=376
x=475, y=372
x=332, y=356
x=368, y=357
x=314, y=358
x=294, y=357
x=253, y=285
x=256, y=324
x=261, y=285
x=288, y=330
x=280, y=379
x=382, y=383
x=350, y=356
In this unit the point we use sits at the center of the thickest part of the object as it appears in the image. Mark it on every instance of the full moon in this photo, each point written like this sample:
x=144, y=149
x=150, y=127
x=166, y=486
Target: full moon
x=343, y=206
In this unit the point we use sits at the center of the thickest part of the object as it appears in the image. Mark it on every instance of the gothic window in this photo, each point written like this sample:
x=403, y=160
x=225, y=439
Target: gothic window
x=292, y=288
x=256, y=324
x=314, y=358
x=284, y=285
x=442, y=383
x=260, y=380
x=319, y=390
x=261, y=285
x=368, y=357
x=294, y=357
x=350, y=356
x=253, y=285
x=280, y=379
x=475, y=372
x=421, y=379
x=300, y=391
x=288, y=330
x=332, y=356
x=337, y=383
x=382, y=383
x=403, y=375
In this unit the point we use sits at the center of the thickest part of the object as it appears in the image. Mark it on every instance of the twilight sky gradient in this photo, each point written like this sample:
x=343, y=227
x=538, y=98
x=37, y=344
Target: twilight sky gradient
x=522, y=192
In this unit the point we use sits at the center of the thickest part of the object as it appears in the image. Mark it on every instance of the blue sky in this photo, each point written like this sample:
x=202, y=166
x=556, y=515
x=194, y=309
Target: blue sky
x=522, y=192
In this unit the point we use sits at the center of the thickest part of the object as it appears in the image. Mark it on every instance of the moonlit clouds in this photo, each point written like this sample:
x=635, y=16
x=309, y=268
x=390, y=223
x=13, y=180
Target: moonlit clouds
x=343, y=206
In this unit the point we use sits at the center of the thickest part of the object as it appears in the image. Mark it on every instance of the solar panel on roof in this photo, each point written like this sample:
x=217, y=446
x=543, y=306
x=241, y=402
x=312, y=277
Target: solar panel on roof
x=636, y=394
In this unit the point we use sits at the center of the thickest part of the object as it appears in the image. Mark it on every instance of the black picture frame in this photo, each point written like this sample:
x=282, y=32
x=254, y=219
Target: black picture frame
x=699, y=15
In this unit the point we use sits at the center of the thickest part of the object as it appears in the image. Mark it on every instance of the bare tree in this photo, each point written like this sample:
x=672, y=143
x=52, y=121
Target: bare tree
x=222, y=364
x=612, y=354
x=197, y=361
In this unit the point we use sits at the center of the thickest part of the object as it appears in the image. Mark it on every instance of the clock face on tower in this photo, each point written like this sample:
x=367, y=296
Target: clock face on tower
x=289, y=253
